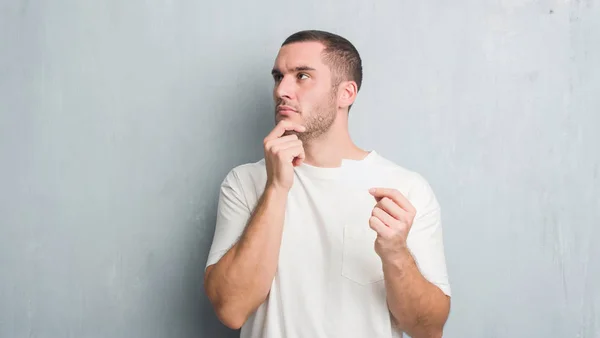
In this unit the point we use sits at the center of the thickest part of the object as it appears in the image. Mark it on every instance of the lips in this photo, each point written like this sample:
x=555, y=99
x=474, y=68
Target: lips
x=286, y=109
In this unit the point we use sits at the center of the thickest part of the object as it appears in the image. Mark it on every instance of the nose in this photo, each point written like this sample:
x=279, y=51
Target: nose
x=285, y=88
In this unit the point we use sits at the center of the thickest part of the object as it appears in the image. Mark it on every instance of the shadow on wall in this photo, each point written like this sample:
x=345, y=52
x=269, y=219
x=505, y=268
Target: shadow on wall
x=245, y=124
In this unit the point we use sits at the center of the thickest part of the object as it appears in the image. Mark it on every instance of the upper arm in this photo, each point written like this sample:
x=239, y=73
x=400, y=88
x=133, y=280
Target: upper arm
x=425, y=239
x=233, y=213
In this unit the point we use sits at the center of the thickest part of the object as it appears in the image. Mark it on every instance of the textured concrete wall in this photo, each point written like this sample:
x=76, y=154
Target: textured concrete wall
x=119, y=119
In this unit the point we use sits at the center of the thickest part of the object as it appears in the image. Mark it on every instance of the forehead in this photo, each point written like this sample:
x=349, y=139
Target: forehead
x=300, y=54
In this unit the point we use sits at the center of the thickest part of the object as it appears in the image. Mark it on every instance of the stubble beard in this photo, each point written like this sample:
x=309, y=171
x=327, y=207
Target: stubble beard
x=320, y=120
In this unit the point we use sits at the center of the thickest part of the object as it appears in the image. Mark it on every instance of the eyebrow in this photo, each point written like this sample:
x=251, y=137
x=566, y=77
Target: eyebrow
x=276, y=71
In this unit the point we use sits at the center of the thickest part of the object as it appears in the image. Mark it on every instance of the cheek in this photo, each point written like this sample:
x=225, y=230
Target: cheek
x=311, y=97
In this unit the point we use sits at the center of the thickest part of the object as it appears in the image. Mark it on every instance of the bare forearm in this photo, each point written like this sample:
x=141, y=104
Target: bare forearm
x=418, y=307
x=241, y=280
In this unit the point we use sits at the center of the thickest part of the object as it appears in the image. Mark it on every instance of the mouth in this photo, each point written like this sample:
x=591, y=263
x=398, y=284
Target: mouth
x=286, y=110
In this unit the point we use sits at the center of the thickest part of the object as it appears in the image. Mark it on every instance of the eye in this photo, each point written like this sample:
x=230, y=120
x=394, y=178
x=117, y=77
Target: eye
x=302, y=76
x=277, y=77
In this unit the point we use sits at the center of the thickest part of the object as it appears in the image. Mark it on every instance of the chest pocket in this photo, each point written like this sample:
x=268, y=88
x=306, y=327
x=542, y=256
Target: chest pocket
x=361, y=263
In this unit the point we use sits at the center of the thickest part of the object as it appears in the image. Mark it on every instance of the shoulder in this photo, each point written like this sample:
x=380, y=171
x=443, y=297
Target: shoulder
x=412, y=184
x=246, y=178
x=402, y=175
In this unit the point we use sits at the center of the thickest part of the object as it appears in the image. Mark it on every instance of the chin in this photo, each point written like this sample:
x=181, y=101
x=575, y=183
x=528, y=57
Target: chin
x=295, y=119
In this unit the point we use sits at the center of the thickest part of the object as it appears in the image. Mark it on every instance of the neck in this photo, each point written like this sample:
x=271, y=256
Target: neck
x=329, y=149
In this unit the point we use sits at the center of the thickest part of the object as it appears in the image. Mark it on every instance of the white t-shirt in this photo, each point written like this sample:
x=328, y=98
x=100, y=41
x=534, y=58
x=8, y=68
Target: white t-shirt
x=329, y=280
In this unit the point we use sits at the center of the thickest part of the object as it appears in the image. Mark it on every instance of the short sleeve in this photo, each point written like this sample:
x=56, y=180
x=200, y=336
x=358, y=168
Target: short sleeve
x=232, y=216
x=425, y=239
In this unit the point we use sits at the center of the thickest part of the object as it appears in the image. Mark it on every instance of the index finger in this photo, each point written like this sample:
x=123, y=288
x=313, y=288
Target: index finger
x=282, y=127
x=394, y=195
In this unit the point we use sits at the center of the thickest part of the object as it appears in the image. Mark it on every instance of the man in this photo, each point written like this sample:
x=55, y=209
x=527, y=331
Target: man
x=321, y=238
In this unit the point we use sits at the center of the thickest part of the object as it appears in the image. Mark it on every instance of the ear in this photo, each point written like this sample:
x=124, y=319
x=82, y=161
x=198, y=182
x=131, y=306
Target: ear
x=347, y=91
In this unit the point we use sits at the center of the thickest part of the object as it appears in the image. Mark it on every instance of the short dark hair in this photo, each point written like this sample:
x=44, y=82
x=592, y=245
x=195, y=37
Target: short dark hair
x=341, y=56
